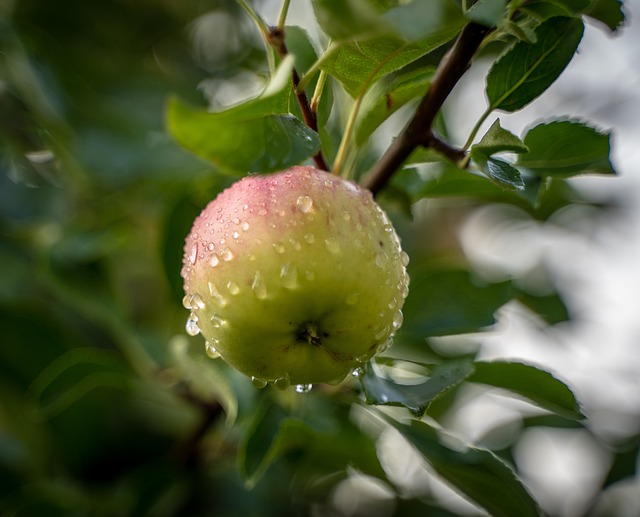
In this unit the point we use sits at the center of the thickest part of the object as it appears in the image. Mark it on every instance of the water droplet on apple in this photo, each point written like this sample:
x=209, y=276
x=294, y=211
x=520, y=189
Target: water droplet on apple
x=258, y=286
x=211, y=246
x=381, y=258
x=310, y=238
x=362, y=358
x=279, y=247
x=388, y=228
x=227, y=255
x=217, y=321
x=196, y=302
x=215, y=294
x=304, y=204
x=214, y=261
x=303, y=388
x=346, y=216
x=210, y=350
x=393, y=303
x=192, y=325
x=282, y=383
x=333, y=246
x=289, y=276
x=398, y=319
x=235, y=234
x=258, y=382
x=186, y=301
x=244, y=226
x=352, y=298
x=295, y=244
x=232, y=287
x=382, y=333
x=262, y=211
x=385, y=345
x=193, y=254
x=309, y=275
x=405, y=258
x=358, y=372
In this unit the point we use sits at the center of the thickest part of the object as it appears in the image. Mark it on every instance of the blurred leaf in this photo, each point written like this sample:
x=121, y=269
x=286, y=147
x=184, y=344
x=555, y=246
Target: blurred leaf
x=72, y=376
x=422, y=19
x=476, y=473
x=501, y=173
x=608, y=12
x=526, y=70
x=415, y=397
x=550, y=307
x=364, y=62
x=625, y=462
x=382, y=102
x=204, y=377
x=545, y=9
x=536, y=385
x=566, y=148
x=487, y=12
x=444, y=302
x=497, y=140
x=521, y=31
x=348, y=19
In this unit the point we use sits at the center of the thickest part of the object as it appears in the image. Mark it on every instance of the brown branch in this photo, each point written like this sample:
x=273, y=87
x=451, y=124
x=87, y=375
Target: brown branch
x=418, y=132
x=276, y=39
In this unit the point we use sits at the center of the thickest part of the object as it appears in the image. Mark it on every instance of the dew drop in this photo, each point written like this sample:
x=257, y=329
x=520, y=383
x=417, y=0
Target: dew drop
x=193, y=254
x=398, y=319
x=186, y=301
x=258, y=286
x=332, y=244
x=214, y=261
x=232, y=287
x=235, y=234
x=210, y=350
x=381, y=258
x=227, y=255
x=244, y=226
x=352, y=298
x=279, y=247
x=346, y=216
x=196, y=302
x=303, y=388
x=405, y=258
x=192, y=325
x=382, y=333
x=310, y=238
x=358, y=372
x=215, y=294
x=262, y=211
x=289, y=276
x=393, y=303
x=258, y=382
x=217, y=321
x=304, y=204
x=295, y=244
x=282, y=383
x=385, y=345
x=211, y=246
x=362, y=358
x=388, y=228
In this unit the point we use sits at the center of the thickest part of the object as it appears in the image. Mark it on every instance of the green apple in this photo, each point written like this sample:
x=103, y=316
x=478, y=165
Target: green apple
x=296, y=277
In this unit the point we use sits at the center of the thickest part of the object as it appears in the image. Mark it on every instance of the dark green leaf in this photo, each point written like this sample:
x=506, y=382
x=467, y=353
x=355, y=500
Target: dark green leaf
x=443, y=302
x=358, y=64
x=526, y=70
x=487, y=12
x=382, y=102
x=415, y=397
x=625, y=462
x=346, y=20
x=545, y=9
x=536, y=385
x=422, y=19
x=550, y=307
x=520, y=31
x=608, y=12
x=498, y=140
x=566, y=148
x=501, y=173
x=477, y=473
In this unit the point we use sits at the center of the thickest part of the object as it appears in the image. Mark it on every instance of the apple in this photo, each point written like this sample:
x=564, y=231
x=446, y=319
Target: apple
x=296, y=277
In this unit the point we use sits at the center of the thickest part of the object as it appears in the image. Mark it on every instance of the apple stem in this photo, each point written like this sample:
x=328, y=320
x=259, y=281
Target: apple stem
x=418, y=132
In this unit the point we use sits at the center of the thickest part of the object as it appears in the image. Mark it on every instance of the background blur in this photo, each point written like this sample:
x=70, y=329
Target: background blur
x=95, y=201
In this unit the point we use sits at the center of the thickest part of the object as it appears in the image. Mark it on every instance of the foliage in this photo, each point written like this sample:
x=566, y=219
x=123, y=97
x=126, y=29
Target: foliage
x=107, y=407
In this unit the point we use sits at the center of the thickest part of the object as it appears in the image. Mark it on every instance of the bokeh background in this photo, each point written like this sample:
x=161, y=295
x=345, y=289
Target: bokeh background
x=95, y=201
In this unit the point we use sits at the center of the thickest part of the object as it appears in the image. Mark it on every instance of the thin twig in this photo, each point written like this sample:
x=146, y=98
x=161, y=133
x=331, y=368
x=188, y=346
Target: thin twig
x=418, y=132
x=276, y=39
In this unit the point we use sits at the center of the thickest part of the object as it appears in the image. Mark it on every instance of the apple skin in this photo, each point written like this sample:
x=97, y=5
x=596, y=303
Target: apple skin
x=296, y=277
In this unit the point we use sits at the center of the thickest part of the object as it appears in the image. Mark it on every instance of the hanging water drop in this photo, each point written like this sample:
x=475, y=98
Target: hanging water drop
x=217, y=321
x=405, y=258
x=279, y=247
x=332, y=244
x=186, y=301
x=215, y=294
x=258, y=382
x=258, y=286
x=210, y=350
x=381, y=259
x=196, y=302
x=192, y=325
x=304, y=204
x=303, y=388
x=289, y=276
x=397, y=320
x=282, y=383
x=214, y=261
x=358, y=372
x=232, y=287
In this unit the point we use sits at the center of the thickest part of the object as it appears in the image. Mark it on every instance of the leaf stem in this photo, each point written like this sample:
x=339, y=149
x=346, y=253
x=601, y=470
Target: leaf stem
x=283, y=14
x=313, y=70
x=476, y=128
x=418, y=132
x=317, y=93
x=264, y=32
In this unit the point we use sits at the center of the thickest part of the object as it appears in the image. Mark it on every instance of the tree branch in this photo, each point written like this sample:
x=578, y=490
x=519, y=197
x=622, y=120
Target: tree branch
x=418, y=132
x=276, y=39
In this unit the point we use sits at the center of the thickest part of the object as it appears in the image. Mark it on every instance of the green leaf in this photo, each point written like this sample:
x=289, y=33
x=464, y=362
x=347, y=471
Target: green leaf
x=477, y=473
x=421, y=19
x=72, y=376
x=498, y=140
x=526, y=70
x=415, y=397
x=566, y=148
x=534, y=384
x=544, y=9
x=356, y=64
x=346, y=20
x=550, y=307
x=382, y=102
x=608, y=12
x=204, y=377
x=443, y=302
x=520, y=31
x=501, y=173
x=487, y=12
